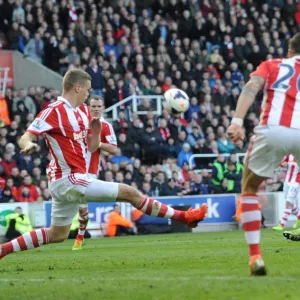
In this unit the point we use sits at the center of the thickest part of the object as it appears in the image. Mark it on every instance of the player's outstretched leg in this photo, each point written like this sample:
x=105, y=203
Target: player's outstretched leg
x=155, y=208
x=35, y=239
x=83, y=220
x=290, y=205
x=286, y=215
x=251, y=220
x=98, y=190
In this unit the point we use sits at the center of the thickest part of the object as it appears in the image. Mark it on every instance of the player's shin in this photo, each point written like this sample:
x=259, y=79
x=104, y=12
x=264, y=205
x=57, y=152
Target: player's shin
x=83, y=220
x=27, y=241
x=251, y=220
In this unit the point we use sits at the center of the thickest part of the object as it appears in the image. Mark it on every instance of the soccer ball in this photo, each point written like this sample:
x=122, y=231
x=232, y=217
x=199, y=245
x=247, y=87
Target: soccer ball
x=176, y=101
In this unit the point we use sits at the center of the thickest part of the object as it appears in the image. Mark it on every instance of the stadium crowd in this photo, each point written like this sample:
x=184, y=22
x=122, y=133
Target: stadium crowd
x=206, y=48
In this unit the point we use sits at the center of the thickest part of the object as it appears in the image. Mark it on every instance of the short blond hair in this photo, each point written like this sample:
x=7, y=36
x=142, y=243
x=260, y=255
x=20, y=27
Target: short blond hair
x=74, y=76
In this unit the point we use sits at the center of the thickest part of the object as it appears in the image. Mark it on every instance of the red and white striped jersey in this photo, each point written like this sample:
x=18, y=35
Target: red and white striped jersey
x=292, y=174
x=281, y=102
x=107, y=136
x=66, y=130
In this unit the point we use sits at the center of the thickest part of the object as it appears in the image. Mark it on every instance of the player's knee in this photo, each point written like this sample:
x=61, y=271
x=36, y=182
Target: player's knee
x=82, y=211
x=128, y=193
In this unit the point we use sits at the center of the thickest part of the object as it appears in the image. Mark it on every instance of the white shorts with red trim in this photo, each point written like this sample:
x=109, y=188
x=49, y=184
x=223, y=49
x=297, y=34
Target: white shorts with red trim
x=93, y=176
x=269, y=145
x=77, y=189
x=290, y=191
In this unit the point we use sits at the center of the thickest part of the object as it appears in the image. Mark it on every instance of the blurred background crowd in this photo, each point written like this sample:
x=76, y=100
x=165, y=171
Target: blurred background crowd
x=208, y=48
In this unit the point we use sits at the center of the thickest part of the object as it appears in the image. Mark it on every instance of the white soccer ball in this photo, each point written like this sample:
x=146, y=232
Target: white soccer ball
x=176, y=101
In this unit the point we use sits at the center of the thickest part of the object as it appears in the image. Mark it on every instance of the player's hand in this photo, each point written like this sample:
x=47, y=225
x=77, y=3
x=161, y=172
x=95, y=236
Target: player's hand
x=31, y=147
x=235, y=133
x=95, y=125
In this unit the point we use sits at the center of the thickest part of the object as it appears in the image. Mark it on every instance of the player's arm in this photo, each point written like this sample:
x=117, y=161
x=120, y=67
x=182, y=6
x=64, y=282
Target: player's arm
x=93, y=139
x=110, y=148
x=109, y=143
x=26, y=143
x=248, y=96
x=43, y=123
x=246, y=99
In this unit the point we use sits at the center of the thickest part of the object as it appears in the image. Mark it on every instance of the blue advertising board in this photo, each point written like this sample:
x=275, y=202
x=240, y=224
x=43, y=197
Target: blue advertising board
x=221, y=208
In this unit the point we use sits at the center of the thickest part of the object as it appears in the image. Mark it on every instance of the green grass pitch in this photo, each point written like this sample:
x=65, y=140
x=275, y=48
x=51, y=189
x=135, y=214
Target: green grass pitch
x=175, y=266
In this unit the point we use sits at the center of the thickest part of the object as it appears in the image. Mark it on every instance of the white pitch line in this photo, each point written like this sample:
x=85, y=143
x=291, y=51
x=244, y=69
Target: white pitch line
x=225, y=278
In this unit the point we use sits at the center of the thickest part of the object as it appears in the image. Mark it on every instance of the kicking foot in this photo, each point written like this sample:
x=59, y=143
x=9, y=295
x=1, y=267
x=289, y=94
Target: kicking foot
x=77, y=245
x=278, y=228
x=194, y=216
x=293, y=235
x=257, y=266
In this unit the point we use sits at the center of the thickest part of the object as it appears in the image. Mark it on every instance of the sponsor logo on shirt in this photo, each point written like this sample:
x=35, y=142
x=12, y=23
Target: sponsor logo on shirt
x=36, y=124
x=112, y=139
x=80, y=135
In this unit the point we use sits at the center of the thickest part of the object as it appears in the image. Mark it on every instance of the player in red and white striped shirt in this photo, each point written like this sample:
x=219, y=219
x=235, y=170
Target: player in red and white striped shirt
x=291, y=189
x=277, y=135
x=70, y=133
x=108, y=144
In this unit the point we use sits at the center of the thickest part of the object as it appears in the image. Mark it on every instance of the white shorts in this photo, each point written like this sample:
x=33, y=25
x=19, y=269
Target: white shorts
x=268, y=147
x=93, y=176
x=76, y=189
x=290, y=191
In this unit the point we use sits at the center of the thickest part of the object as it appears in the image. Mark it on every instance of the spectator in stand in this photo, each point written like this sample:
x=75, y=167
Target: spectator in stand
x=46, y=195
x=164, y=130
x=7, y=164
x=158, y=183
x=179, y=181
x=27, y=101
x=218, y=170
x=184, y=155
x=197, y=185
x=95, y=72
x=34, y=49
x=7, y=196
x=125, y=145
x=146, y=189
x=120, y=159
x=224, y=145
x=128, y=178
x=37, y=176
x=117, y=225
x=25, y=163
x=170, y=189
x=173, y=149
x=195, y=135
x=27, y=191
x=153, y=144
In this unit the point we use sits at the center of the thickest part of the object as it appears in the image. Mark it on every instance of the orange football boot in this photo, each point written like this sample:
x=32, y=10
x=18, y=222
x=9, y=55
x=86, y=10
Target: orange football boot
x=194, y=216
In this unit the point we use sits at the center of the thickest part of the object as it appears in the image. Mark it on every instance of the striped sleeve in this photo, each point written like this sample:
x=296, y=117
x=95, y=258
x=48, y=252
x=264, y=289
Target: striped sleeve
x=109, y=134
x=45, y=121
x=262, y=70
